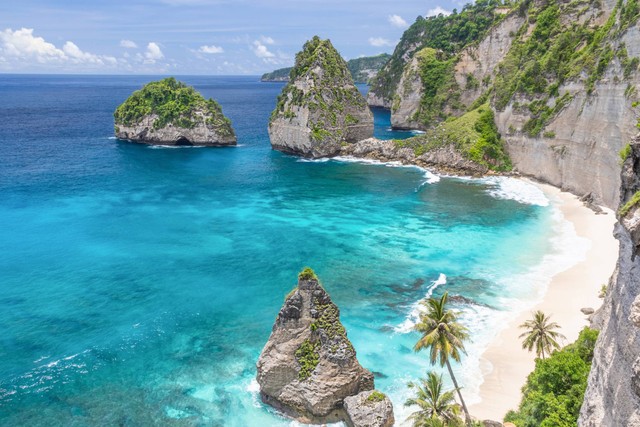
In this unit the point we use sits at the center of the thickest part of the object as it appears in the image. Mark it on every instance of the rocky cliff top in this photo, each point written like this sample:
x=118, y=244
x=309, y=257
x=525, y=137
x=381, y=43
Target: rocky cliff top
x=308, y=366
x=362, y=69
x=320, y=109
x=170, y=112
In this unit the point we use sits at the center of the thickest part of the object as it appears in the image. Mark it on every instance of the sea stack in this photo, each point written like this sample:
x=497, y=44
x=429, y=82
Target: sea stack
x=168, y=112
x=308, y=367
x=320, y=110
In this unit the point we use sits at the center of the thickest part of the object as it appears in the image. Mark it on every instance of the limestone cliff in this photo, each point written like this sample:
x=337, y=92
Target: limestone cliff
x=613, y=392
x=308, y=367
x=320, y=110
x=561, y=78
x=169, y=112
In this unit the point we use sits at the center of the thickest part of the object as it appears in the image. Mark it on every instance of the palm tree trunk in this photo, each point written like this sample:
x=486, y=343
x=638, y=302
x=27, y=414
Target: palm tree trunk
x=467, y=417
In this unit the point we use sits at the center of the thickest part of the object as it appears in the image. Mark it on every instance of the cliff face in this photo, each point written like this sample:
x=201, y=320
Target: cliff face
x=320, y=110
x=578, y=147
x=308, y=367
x=561, y=78
x=171, y=113
x=613, y=393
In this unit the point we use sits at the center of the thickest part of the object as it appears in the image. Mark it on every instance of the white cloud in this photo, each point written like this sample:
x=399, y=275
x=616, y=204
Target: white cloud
x=78, y=56
x=267, y=40
x=379, y=42
x=153, y=53
x=128, y=44
x=211, y=49
x=397, y=21
x=31, y=50
x=261, y=51
x=438, y=11
x=22, y=43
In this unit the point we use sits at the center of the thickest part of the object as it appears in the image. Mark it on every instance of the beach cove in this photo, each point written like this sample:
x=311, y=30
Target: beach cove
x=152, y=275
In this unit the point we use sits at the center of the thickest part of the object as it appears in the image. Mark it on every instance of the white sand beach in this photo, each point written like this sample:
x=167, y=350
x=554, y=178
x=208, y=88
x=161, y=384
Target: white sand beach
x=505, y=364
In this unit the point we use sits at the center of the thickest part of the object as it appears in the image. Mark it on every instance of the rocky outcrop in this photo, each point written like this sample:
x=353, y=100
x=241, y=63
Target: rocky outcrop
x=612, y=397
x=406, y=101
x=308, y=367
x=320, y=110
x=369, y=409
x=445, y=159
x=169, y=112
x=473, y=69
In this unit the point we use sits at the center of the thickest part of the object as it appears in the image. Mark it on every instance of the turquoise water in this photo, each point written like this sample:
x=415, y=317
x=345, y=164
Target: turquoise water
x=138, y=285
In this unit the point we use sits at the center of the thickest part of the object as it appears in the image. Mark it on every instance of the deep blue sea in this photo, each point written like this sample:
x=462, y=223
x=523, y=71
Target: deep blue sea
x=138, y=284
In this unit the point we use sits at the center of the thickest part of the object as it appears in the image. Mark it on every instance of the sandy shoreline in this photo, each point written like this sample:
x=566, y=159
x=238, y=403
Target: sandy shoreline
x=505, y=364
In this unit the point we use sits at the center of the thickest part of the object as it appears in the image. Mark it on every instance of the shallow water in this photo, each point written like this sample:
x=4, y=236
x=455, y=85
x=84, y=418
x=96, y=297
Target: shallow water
x=138, y=284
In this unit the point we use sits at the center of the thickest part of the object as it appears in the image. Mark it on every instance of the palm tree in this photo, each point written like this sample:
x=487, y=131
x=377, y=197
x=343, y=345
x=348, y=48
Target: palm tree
x=443, y=336
x=437, y=408
x=540, y=334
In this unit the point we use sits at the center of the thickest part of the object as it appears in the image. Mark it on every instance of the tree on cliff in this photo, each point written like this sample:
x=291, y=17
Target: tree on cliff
x=444, y=337
x=540, y=334
x=437, y=407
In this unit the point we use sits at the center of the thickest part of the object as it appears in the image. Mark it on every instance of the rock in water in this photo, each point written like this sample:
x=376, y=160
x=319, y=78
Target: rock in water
x=369, y=409
x=308, y=366
x=169, y=112
x=320, y=109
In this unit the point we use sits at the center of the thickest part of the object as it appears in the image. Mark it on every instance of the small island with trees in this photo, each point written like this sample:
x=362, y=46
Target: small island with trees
x=169, y=112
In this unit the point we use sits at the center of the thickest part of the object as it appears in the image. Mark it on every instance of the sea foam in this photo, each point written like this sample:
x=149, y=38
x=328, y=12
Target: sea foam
x=417, y=308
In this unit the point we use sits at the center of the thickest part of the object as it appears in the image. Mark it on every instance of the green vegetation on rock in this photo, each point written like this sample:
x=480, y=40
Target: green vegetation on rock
x=329, y=94
x=173, y=102
x=361, y=68
x=632, y=203
x=375, y=396
x=438, y=85
x=308, y=356
x=448, y=34
x=474, y=134
x=555, y=389
x=307, y=273
x=560, y=45
x=625, y=153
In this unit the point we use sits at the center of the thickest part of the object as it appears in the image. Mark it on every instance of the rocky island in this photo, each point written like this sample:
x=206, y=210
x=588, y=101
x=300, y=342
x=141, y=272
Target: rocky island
x=169, y=112
x=308, y=368
x=320, y=110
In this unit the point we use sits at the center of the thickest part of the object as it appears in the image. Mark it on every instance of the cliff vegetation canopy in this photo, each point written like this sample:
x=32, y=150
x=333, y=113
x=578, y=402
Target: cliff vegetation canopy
x=554, y=391
x=173, y=102
x=448, y=34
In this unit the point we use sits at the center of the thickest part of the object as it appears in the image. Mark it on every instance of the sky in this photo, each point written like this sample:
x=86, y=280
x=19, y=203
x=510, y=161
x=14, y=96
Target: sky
x=193, y=37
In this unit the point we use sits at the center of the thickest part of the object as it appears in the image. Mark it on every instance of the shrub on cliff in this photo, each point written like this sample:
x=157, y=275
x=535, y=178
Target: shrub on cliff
x=555, y=389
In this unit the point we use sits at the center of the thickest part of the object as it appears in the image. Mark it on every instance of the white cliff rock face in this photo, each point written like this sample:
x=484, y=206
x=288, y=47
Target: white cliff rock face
x=202, y=133
x=406, y=102
x=308, y=367
x=582, y=155
x=321, y=109
x=612, y=397
x=481, y=61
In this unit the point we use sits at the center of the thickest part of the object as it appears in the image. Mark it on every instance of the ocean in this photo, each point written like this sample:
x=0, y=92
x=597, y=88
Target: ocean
x=139, y=284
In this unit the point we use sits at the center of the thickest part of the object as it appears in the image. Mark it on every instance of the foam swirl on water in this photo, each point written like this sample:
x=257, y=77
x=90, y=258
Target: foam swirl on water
x=417, y=308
